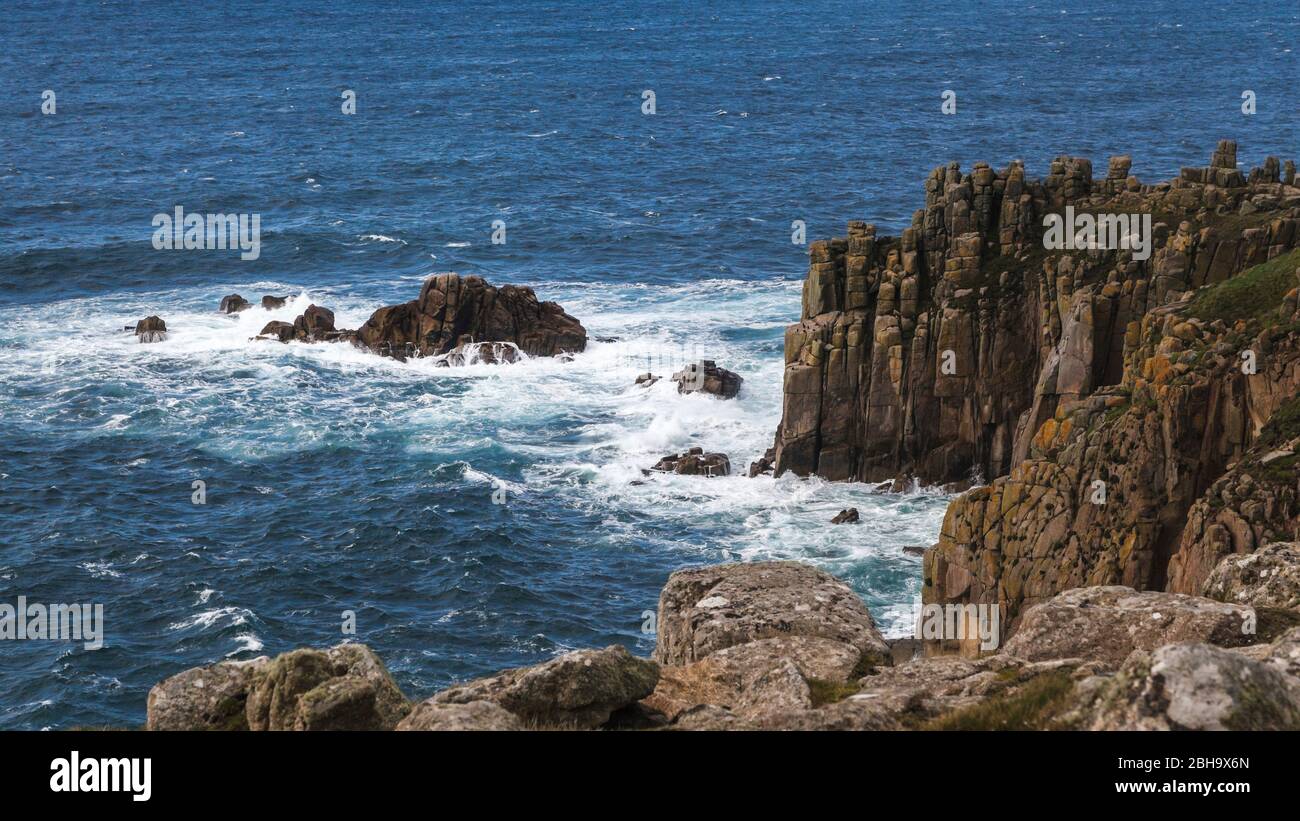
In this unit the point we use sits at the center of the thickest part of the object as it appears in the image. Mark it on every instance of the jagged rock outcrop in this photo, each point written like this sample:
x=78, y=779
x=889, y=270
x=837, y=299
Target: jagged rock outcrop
x=942, y=352
x=706, y=377
x=453, y=310
x=694, y=462
x=1155, y=448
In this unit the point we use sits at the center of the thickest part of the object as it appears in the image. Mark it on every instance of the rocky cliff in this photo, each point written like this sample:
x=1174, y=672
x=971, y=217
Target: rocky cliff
x=940, y=353
x=1134, y=408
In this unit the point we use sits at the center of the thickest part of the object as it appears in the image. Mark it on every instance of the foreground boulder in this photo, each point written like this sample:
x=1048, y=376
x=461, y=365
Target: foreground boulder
x=703, y=610
x=707, y=377
x=578, y=690
x=204, y=698
x=472, y=715
x=151, y=329
x=344, y=688
x=1194, y=687
x=1269, y=577
x=695, y=462
x=1106, y=624
x=233, y=304
x=453, y=310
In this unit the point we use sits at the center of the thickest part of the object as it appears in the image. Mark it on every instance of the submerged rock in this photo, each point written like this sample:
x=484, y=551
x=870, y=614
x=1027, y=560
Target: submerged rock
x=707, y=377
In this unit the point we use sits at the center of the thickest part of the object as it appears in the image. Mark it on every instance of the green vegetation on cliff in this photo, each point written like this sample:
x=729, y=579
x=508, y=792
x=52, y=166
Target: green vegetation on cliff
x=1252, y=294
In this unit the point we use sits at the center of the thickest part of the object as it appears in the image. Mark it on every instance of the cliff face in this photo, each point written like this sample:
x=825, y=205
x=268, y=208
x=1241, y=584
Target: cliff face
x=939, y=354
x=1119, y=400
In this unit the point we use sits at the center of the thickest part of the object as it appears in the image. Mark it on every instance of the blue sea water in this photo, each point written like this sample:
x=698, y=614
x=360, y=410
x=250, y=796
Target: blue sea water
x=340, y=481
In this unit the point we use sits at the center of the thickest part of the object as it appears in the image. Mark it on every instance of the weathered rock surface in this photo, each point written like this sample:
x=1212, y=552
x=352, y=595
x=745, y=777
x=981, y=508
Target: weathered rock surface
x=151, y=329
x=1195, y=687
x=472, y=715
x=694, y=462
x=1269, y=577
x=1106, y=624
x=344, y=688
x=233, y=304
x=706, y=377
x=704, y=610
x=577, y=690
x=453, y=310
x=204, y=698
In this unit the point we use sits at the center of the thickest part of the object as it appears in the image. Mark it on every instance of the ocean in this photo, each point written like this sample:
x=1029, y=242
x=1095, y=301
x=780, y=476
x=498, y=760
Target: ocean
x=483, y=517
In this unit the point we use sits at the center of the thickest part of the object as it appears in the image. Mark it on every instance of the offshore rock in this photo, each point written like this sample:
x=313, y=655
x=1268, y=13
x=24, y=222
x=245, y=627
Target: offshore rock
x=453, y=310
x=233, y=304
x=706, y=377
x=694, y=462
x=151, y=329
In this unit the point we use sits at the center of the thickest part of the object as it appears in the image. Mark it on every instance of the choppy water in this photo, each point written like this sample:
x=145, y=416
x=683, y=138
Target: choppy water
x=340, y=481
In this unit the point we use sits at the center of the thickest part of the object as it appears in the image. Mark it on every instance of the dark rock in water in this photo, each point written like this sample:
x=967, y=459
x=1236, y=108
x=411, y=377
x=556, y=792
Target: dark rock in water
x=283, y=331
x=314, y=324
x=151, y=329
x=695, y=462
x=764, y=463
x=604, y=339
x=645, y=380
x=707, y=377
x=914, y=550
x=453, y=310
x=849, y=516
x=234, y=304
x=270, y=303
x=483, y=353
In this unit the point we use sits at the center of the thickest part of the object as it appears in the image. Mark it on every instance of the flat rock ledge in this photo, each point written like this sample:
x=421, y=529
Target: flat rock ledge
x=785, y=646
